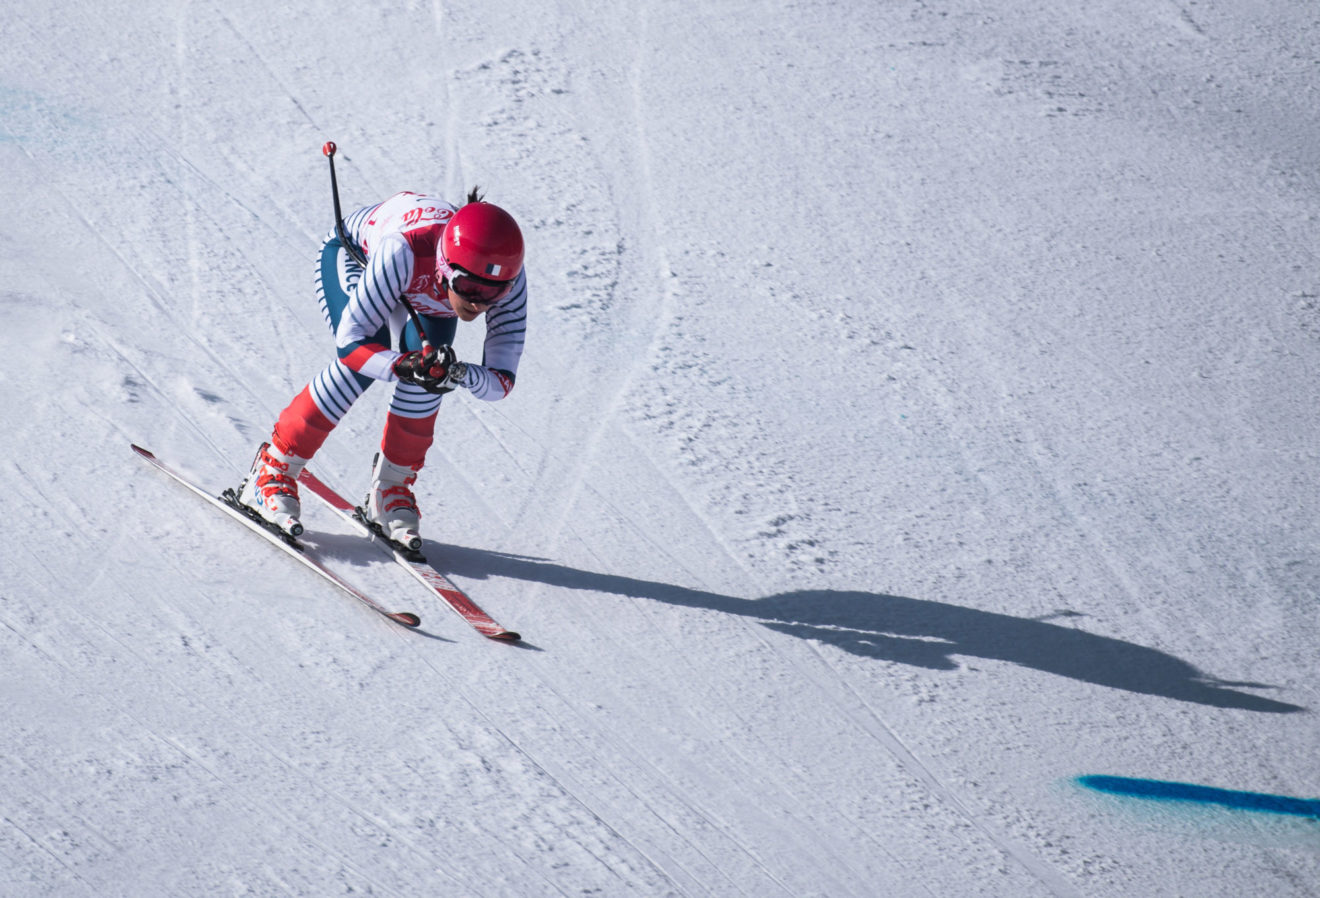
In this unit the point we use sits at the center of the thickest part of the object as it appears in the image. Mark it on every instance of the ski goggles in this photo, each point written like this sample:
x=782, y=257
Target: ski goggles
x=476, y=290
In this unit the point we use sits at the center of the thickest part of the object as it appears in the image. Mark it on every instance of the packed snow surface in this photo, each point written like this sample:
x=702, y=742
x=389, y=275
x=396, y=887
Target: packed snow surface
x=910, y=486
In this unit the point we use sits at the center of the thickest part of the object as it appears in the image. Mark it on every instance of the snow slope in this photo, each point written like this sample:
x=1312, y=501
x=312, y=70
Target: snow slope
x=917, y=417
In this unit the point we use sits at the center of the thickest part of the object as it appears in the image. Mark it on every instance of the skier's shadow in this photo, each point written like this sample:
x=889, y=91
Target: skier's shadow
x=908, y=631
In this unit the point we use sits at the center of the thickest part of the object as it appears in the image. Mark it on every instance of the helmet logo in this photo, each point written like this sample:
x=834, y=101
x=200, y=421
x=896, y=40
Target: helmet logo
x=493, y=270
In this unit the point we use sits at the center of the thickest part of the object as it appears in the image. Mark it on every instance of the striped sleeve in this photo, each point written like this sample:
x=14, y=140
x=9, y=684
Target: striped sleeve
x=356, y=223
x=506, y=331
x=371, y=304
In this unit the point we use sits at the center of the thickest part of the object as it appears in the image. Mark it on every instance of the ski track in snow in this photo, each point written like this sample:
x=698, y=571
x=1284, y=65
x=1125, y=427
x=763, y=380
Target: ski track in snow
x=883, y=733
x=643, y=367
x=1009, y=309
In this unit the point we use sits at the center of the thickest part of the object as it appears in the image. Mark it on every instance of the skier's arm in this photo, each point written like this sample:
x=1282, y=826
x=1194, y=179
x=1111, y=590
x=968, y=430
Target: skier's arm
x=506, y=328
x=371, y=303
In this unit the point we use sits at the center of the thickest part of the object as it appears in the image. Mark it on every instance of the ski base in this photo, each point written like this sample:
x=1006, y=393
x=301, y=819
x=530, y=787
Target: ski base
x=228, y=503
x=413, y=562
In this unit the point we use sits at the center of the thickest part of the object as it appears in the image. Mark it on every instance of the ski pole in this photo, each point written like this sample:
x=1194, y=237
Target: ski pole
x=329, y=151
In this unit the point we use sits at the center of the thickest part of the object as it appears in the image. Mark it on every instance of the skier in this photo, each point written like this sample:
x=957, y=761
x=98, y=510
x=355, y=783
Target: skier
x=449, y=264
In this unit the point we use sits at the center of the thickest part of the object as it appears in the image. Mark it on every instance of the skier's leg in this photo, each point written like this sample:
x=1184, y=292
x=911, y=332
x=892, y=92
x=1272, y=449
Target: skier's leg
x=271, y=487
x=410, y=425
x=409, y=433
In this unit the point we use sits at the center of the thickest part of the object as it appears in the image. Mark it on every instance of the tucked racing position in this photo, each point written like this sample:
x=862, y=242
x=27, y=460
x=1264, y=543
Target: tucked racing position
x=411, y=261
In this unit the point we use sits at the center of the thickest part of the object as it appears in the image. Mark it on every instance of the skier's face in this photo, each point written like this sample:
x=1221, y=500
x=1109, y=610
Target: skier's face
x=466, y=310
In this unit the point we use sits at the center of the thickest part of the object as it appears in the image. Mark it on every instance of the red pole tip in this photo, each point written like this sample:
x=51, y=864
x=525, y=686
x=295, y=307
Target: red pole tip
x=329, y=148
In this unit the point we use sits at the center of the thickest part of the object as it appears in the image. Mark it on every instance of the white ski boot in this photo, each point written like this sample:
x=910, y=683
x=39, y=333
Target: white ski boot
x=271, y=488
x=391, y=505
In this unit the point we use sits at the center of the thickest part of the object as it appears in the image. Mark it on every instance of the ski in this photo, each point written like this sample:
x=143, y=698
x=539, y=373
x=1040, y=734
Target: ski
x=413, y=562
x=228, y=503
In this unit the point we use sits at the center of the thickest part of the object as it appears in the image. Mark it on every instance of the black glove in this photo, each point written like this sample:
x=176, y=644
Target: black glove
x=431, y=371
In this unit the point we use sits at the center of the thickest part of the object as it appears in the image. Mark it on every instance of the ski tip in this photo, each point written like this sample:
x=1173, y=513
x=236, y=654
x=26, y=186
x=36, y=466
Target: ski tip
x=506, y=636
x=407, y=618
x=145, y=453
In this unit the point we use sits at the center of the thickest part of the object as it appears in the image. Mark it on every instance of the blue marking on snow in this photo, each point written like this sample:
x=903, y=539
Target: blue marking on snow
x=1160, y=790
x=27, y=116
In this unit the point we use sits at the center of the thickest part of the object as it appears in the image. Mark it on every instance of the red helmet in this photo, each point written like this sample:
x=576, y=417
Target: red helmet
x=483, y=240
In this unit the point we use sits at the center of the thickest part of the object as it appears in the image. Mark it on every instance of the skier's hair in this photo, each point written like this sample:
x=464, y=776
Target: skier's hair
x=475, y=195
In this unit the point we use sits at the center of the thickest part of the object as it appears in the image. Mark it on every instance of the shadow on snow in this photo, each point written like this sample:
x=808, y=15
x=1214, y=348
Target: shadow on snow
x=907, y=631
